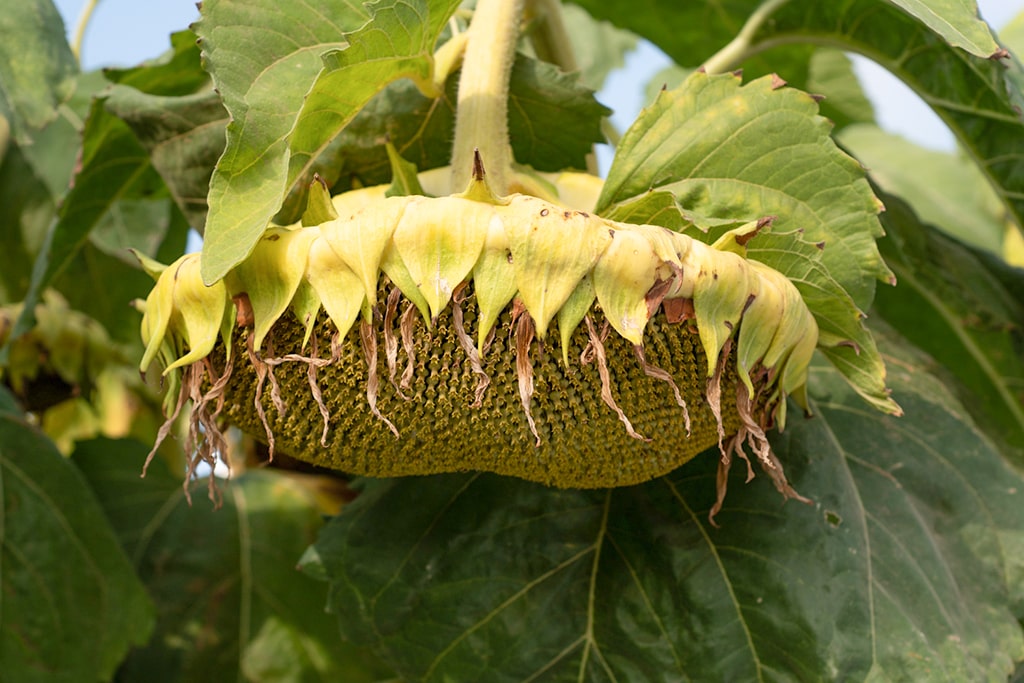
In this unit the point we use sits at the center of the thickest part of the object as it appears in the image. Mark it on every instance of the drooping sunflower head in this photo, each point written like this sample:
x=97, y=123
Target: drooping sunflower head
x=417, y=335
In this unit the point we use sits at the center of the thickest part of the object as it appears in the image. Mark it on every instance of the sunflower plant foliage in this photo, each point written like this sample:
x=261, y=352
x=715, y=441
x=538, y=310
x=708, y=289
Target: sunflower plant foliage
x=748, y=405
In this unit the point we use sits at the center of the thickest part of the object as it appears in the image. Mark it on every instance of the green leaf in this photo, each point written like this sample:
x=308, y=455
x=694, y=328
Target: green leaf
x=177, y=72
x=37, y=69
x=539, y=92
x=956, y=21
x=8, y=404
x=907, y=566
x=743, y=153
x=263, y=58
x=404, y=181
x=114, y=167
x=949, y=304
x=33, y=179
x=26, y=210
x=831, y=74
x=599, y=47
x=230, y=603
x=72, y=606
x=184, y=136
x=747, y=152
x=101, y=282
x=291, y=118
x=420, y=128
x=176, y=117
x=976, y=97
x=943, y=188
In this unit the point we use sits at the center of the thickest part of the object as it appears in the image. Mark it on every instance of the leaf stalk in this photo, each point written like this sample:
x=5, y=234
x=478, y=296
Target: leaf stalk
x=83, y=23
x=735, y=51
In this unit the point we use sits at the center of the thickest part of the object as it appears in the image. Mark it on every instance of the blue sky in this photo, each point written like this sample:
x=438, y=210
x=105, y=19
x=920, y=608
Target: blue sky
x=124, y=32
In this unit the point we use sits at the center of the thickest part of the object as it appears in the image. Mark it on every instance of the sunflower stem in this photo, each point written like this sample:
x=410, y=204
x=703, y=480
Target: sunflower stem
x=482, y=119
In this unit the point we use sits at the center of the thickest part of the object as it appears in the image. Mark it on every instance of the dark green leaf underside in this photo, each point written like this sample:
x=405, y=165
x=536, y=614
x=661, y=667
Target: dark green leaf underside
x=902, y=569
x=72, y=606
x=951, y=305
x=229, y=573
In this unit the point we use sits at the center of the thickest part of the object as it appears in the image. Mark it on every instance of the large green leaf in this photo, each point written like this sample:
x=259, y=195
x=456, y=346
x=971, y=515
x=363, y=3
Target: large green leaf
x=184, y=136
x=743, y=153
x=598, y=46
x=230, y=604
x=177, y=72
x=176, y=117
x=971, y=94
x=33, y=179
x=285, y=108
x=948, y=303
x=831, y=74
x=26, y=210
x=37, y=69
x=100, y=280
x=263, y=57
x=956, y=21
x=70, y=604
x=747, y=152
x=944, y=188
x=907, y=567
x=114, y=168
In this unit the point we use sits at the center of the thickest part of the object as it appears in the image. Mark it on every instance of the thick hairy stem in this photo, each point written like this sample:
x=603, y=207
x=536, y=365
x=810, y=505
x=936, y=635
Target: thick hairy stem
x=482, y=118
x=732, y=54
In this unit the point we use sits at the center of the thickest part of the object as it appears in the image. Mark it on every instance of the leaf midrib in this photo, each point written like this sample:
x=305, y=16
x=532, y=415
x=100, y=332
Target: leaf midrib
x=713, y=550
